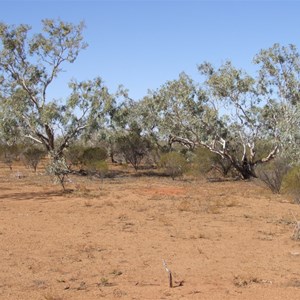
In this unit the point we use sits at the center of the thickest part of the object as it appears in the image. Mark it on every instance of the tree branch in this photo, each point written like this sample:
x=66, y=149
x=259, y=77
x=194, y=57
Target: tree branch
x=33, y=138
x=271, y=156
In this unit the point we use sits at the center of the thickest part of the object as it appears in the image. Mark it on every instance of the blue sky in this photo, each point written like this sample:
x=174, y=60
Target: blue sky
x=142, y=44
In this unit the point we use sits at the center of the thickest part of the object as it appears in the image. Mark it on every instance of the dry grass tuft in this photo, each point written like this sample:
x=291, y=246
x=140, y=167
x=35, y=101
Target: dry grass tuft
x=244, y=281
x=184, y=205
x=52, y=297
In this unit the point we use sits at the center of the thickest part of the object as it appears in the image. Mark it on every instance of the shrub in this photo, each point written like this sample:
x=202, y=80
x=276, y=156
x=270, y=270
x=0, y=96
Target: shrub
x=291, y=183
x=174, y=164
x=272, y=174
x=94, y=162
x=59, y=169
x=92, y=155
x=73, y=154
x=97, y=167
x=223, y=165
x=15, y=151
x=205, y=161
x=134, y=147
x=33, y=156
x=10, y=153
x=8, y=160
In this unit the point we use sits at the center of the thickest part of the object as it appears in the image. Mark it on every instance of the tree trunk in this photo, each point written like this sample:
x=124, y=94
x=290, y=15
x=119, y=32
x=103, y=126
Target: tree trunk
x=245, y=169
x=111, y=154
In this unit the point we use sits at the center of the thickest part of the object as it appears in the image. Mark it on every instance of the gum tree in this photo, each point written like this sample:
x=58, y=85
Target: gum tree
x=28, y=66
x=223, y=116
x=279, y=83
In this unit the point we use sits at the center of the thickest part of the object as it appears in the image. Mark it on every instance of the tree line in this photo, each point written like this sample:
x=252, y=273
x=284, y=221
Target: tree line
x=246, y=121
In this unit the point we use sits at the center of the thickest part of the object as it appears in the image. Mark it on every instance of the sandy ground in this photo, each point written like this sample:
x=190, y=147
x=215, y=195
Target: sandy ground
x=223, y=240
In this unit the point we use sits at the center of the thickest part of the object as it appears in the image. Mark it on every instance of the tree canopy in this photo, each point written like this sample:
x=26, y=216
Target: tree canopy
x=28, y=65
x=230, y=112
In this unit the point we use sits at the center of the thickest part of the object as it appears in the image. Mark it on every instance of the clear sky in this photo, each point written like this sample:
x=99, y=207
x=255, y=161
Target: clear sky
x=142, y=44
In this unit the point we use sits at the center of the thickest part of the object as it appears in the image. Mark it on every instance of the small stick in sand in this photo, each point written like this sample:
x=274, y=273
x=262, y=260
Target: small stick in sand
x=170, y=274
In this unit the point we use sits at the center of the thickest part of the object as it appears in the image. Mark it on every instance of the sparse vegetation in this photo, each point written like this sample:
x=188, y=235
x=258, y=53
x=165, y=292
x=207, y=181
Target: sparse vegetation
x=93, y=160
x=174, y=164
x=273, y=174
x=134, y=147
x=205, y=162
x=58, y=169
x=73, y=155
x=33, y=156
x=93, y=155
x=291, y=183
x=105, y=240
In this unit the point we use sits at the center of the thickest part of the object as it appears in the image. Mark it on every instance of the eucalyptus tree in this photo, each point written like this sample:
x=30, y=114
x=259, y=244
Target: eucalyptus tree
x=279, y=85
x=28, y=66
x=166, y=112
x=223, y=115
x=240, y=105
x=118, y=119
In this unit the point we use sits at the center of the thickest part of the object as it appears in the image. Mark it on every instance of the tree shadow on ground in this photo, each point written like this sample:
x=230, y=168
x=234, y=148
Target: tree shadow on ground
x=40, y=195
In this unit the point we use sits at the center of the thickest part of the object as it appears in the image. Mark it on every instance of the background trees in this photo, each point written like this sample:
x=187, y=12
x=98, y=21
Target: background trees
x=279, y=85
x=244, y=120
x=223, y=115
x=133, y=146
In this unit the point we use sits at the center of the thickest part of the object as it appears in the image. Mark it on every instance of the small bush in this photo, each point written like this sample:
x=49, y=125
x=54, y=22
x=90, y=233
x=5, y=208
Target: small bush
x=134, y=148
x=59, y=169
x=291, y=183
x=223, y=165
x=10, y=153
x=94, y=162
x=73, y=154
x=272, y=173
x=205, y=161
x=92, y=155
x=174, y=164
x=99, y=168
x=33, y=156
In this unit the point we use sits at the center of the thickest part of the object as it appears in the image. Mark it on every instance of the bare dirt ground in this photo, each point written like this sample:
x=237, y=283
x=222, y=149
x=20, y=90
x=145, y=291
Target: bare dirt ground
x=223, y=240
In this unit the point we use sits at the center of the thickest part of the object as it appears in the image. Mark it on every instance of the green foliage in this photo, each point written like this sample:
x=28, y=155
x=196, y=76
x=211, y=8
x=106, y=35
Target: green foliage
x=279, y=86
x=73, y=154
x=10, y=152
x=273, y=173
x=205, y=161
x=59, y=169
x=134, y=147
x=227, y=80
x=291, y=183
x=174, y=164
x=93, y=160
x=228, y=113
x=279, y=72
x=33, y=156
x=98, y=168
x=28, y=66
x=93, y=155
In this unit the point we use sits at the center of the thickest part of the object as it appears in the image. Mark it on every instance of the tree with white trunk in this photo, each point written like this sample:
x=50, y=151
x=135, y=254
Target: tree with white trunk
x=28, y=66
